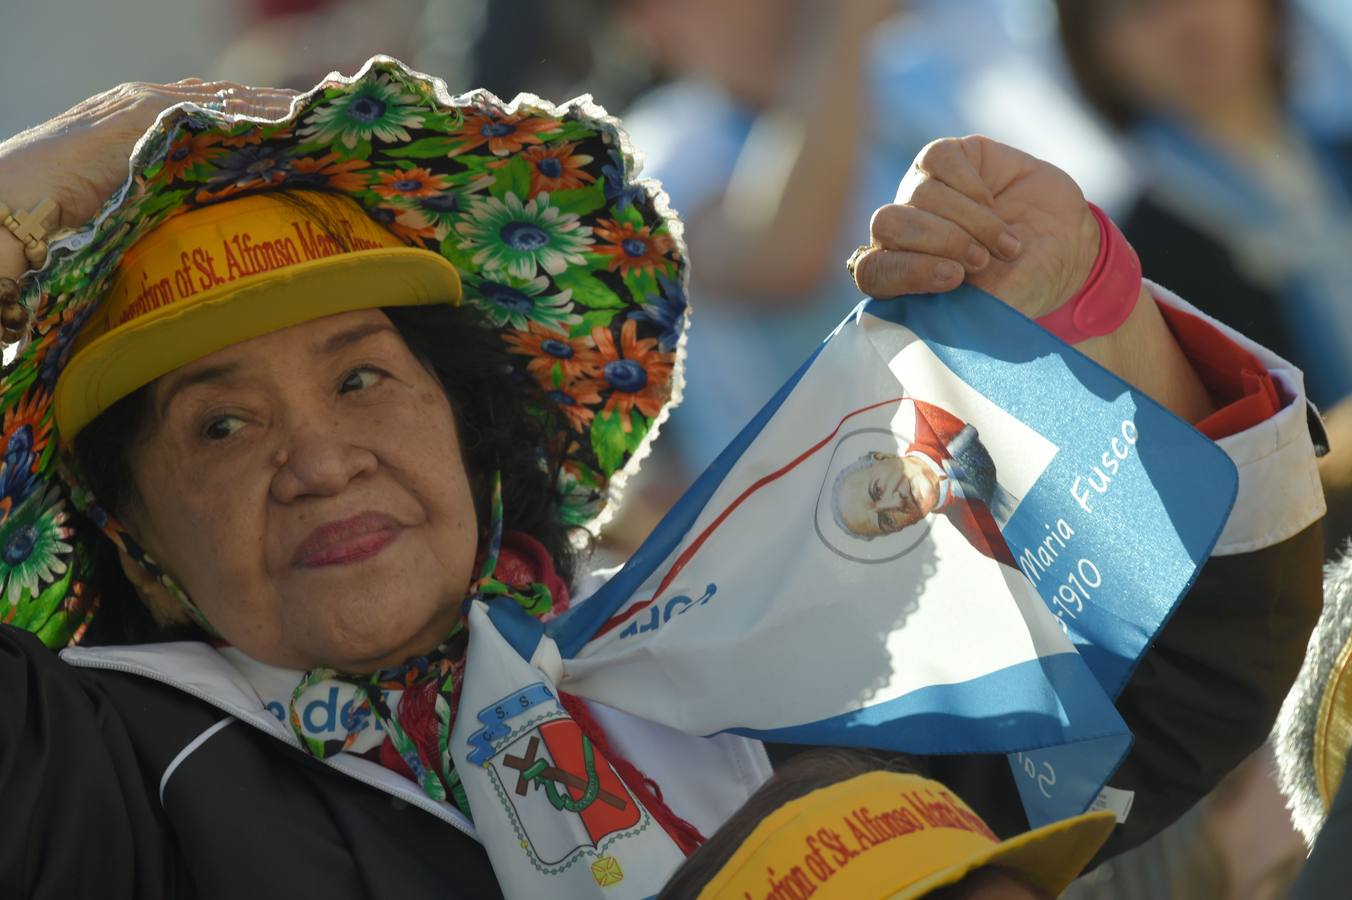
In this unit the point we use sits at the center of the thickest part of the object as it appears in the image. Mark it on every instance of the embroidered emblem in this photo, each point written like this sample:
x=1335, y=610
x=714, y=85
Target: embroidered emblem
x=565, y=801
x=607, y=871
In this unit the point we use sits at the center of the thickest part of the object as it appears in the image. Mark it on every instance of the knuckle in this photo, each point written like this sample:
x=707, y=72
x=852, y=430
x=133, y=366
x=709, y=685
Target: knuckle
x=975, y=144
x=927, y=194
x=990, y=227
x=937, y=150
x=897, y=271
x=884, y=219
x=955, y=242
x=877, y=272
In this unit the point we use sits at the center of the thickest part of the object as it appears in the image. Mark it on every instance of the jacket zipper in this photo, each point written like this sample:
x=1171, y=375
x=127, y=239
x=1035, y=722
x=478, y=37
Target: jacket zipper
x=414, y=798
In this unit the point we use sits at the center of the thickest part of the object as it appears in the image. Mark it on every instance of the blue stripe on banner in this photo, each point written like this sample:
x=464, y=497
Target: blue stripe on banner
x=519, y=628
x=494, y=718
x=1143, y=564
x=982, y=716
x=572, y=630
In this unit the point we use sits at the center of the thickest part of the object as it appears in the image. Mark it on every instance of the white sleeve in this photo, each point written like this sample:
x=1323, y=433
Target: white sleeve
x=1279, y=490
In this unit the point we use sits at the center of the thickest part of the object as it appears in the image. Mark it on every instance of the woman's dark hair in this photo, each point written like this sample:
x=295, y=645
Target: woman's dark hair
x=502, y=424
x=1081, y=24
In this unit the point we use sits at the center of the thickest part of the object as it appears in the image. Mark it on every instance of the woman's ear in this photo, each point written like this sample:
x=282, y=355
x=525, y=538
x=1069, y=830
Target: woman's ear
x=164, y=609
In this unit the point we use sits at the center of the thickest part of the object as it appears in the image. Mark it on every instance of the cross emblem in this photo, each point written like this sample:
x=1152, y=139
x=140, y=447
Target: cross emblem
x=529, y=768
x=32, y=225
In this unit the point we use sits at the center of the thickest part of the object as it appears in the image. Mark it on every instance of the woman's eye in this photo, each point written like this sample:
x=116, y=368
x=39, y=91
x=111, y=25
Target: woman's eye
x=360, y=379
x=221, y=427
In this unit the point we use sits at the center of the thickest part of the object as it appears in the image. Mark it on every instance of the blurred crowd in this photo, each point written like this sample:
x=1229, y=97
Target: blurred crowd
x=1218, y=133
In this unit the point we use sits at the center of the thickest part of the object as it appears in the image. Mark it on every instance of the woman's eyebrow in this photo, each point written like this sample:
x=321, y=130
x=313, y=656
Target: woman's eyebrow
x=335, y=342
x=201, y=376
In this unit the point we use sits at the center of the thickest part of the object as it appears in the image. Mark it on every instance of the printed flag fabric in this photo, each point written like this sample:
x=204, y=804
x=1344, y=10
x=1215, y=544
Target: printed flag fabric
x=948, y=533
x=556, y=819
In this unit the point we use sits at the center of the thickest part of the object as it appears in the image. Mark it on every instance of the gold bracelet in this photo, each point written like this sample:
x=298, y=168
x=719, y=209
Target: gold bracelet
x=31, y=228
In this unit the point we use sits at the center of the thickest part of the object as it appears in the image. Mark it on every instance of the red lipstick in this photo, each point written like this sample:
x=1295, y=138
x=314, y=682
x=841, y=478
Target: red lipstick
x=346, y=541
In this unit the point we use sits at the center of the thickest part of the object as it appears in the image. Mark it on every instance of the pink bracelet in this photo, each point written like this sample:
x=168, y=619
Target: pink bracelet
x=1107, y=296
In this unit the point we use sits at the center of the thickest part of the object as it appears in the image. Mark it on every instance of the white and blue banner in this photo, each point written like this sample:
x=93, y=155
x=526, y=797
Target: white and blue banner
x=948, y=533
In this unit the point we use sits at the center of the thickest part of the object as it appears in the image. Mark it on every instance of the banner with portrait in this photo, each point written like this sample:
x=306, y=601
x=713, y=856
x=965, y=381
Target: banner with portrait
x=948, y=533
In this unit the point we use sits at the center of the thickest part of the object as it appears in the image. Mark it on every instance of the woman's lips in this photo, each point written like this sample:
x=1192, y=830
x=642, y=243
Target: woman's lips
x=346, y=541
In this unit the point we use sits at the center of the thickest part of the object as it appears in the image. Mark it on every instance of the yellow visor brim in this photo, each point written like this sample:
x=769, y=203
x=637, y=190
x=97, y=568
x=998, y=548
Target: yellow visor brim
x=118, y=363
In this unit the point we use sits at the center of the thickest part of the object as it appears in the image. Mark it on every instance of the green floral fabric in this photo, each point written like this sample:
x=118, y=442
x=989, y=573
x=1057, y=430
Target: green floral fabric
x=577, y=264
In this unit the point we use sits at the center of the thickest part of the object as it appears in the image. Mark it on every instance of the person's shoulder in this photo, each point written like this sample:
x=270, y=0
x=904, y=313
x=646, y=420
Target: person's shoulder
x=19, y=647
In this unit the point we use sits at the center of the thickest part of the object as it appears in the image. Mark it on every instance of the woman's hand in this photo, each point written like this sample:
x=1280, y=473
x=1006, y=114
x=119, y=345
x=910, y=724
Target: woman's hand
x=972, y=209
x=79, y=157
x=977, y=211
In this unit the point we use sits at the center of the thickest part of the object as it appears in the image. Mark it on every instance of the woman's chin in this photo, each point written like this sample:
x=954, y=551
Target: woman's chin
x=353, y=640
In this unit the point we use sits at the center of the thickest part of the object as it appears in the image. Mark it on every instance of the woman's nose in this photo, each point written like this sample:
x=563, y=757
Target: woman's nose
x=319, y=461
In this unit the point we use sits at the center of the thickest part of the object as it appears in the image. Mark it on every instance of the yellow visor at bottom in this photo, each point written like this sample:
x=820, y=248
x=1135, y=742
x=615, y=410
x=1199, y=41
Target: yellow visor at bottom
x=891, y=835
x=226, y=273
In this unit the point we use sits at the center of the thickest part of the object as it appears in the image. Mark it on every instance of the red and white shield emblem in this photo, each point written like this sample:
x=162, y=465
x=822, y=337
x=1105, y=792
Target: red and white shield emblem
x=553, y=771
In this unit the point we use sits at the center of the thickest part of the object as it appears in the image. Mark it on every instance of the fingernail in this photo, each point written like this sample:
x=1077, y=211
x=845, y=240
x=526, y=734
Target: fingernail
x=1008, y=245
x=947, y=270
x=977, y=256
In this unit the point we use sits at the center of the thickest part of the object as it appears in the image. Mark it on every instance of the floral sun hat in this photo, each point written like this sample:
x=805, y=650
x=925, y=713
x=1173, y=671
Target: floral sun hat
x=577, y=264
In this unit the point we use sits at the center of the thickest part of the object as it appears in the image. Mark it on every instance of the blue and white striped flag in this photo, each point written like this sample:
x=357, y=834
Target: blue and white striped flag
x=948, y=533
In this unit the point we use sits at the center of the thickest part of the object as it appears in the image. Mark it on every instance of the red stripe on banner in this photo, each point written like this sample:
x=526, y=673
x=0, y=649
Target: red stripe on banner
x=621, y=617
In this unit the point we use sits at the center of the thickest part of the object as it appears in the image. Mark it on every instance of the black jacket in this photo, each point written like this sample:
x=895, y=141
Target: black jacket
x=86, y=809
x=82, y=755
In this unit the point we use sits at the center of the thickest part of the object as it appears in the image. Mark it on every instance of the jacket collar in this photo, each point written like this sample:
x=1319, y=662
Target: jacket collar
x=194, y=667
x=199, y=670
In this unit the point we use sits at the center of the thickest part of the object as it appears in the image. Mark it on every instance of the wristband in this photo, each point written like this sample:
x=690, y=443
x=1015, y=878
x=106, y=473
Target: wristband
x=1107, y=296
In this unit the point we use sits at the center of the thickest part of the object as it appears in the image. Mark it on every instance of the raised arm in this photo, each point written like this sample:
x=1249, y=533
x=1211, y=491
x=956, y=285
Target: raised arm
x=977, y=211
x=1206, y=693
x=78, y=158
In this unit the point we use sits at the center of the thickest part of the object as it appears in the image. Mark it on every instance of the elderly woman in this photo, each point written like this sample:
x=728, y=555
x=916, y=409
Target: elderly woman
x=319, y=370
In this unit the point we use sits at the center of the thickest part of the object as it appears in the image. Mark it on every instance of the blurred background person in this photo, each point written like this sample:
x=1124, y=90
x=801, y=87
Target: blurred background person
x=1246, y=207
x=554, y=48
x=809, y=114
x=766, y=185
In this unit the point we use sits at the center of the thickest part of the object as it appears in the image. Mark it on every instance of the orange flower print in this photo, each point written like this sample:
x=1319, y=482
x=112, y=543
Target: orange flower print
x=30, y=411
x=632, y=249
x=577, y=400
x=248, y=135
x=502, y=134
x=557, y=168
x=187, y=151
x=331, y=172
x=409, y=225
x=551, y=350
x=410, y=183
x=638, y=374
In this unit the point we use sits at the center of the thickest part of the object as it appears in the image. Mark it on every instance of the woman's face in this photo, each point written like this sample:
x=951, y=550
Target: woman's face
x=306, y=488
x=1182, y=56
